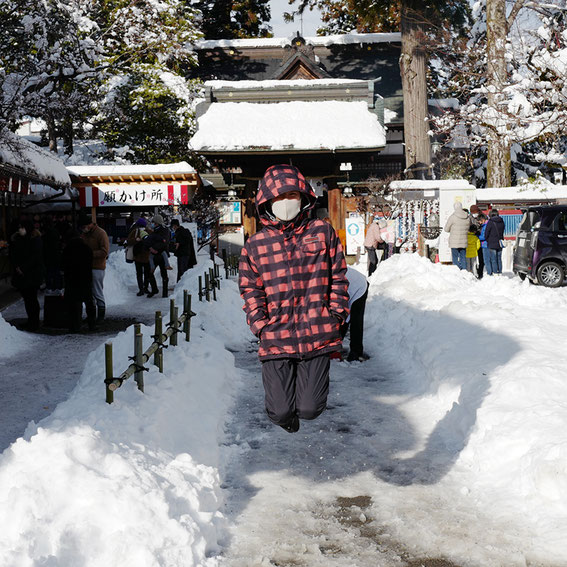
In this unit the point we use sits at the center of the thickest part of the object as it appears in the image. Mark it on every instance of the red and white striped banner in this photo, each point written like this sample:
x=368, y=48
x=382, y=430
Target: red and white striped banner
x=142, y=195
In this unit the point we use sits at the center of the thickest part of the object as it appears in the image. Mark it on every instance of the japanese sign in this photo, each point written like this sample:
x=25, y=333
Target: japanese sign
x=142, y=195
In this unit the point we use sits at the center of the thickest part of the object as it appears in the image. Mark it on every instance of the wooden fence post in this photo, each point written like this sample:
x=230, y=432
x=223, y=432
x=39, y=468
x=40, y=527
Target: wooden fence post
x=213, y=283
x=173, y=322
x=200, y=288
x=109, y=372
x=207, y=288
x=187, y=311
x=158, y=337
x=139, y=356
x=225, y=260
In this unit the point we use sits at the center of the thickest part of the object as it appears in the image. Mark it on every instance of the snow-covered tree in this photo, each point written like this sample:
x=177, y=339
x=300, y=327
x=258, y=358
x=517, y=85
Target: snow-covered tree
x=59, y=57
x=418, y=22
x=511, y=83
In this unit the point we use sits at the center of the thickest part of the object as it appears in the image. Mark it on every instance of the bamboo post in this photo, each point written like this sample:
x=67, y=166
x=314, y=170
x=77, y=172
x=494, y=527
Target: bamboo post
x=225, y=260
x=187, y=311
x=200, y=288
x=109, y=371
x=158, y=355
x=139, y=356
x=207, y=286
x=213, y=283
x=173, y=322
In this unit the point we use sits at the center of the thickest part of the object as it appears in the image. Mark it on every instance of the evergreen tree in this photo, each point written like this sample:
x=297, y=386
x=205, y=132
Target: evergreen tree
x=224, y=19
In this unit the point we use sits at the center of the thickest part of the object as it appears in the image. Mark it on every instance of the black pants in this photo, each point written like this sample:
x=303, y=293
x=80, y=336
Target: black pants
x=356, y=324
x=182, y=265
x=294, y=386
x=143, y=275
x=372, y=260
x=159, y=262
x=480, y=263
x=75, y=308
x=31, y=303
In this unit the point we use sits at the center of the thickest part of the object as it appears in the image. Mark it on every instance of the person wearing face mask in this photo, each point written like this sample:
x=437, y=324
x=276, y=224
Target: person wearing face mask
x=294, y=286
x=26, y=259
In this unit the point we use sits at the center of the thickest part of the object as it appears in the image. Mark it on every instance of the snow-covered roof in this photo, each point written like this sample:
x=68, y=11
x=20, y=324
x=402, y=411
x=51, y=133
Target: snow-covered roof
x=522, y=193
x=429, y=184
x=39, y=164
x=296, y=125
x=273, y=83
x=339, y=39
x=181, y=167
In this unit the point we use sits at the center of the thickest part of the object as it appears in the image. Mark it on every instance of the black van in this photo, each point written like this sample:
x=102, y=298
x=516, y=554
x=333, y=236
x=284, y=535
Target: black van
x=540, y=252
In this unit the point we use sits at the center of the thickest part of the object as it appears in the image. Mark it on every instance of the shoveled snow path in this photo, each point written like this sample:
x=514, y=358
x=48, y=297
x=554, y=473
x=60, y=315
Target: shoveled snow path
x=352, y=488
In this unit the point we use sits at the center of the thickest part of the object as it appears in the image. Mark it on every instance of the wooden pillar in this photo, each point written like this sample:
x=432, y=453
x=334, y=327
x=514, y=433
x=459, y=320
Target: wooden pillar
x=249, y=208
x=335, y=201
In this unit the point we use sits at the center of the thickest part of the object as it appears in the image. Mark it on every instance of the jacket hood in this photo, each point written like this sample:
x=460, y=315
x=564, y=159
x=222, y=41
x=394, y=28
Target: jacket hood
x=280, y=179
x=459, y=213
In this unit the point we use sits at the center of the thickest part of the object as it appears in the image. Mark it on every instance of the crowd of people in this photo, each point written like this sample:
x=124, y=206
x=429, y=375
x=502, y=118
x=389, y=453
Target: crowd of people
x=476, y=240
x=68, y=260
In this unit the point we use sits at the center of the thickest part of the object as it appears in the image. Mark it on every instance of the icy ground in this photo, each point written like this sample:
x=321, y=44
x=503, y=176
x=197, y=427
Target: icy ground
x=447, y=448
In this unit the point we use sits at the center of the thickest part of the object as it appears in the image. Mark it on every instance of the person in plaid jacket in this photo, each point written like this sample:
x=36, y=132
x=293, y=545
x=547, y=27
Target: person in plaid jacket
x=294, y=286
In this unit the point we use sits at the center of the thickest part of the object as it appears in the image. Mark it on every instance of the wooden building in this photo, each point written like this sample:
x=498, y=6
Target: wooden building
x=117, y=194
x=332, y=106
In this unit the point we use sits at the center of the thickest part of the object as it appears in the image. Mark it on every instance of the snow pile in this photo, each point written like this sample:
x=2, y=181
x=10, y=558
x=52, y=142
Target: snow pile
x=36, y=161
x=135, y=482
x=300, y=125
x=12, y=341
x=483, y=366
x=117, y=277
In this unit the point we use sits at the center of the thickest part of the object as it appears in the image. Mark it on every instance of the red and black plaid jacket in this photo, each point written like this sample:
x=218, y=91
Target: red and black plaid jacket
x=293, y=276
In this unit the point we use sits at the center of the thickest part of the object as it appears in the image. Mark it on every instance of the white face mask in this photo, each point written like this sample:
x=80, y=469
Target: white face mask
x=22, y=231
x=286, y=209
x=475, y=215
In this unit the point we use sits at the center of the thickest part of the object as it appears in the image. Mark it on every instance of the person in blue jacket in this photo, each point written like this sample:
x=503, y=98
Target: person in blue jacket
x=483, y=245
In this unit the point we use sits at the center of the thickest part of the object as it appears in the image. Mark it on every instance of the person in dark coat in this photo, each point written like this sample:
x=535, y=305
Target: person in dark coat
x=77, y=260
x=158, y=243
x=294, y=286
x=494, y=236
x=51, y=255
x=26, y=259
x=184, y=248
x=135, y=239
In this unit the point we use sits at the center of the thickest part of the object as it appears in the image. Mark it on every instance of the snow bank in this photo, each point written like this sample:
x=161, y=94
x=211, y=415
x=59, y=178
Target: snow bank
x=135, y=482
x=12, y=341
x=482, y=360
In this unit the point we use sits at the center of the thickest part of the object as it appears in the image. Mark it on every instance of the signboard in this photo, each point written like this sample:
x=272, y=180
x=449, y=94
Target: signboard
x=230, y=212
x=136, y=195
x=354, y=229
x=447, y=198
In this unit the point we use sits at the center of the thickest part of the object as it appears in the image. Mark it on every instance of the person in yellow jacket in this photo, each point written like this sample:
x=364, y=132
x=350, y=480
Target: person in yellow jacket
x=473, y=245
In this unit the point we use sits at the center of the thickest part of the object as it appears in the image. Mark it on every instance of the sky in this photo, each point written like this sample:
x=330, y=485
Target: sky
x=448, y=444
x=311, y=20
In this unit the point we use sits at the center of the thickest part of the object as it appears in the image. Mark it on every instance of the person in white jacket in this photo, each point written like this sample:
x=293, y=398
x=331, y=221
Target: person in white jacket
x=458, y=228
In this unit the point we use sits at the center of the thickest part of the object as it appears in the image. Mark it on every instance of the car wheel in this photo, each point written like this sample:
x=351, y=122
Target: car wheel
x=550, y=274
